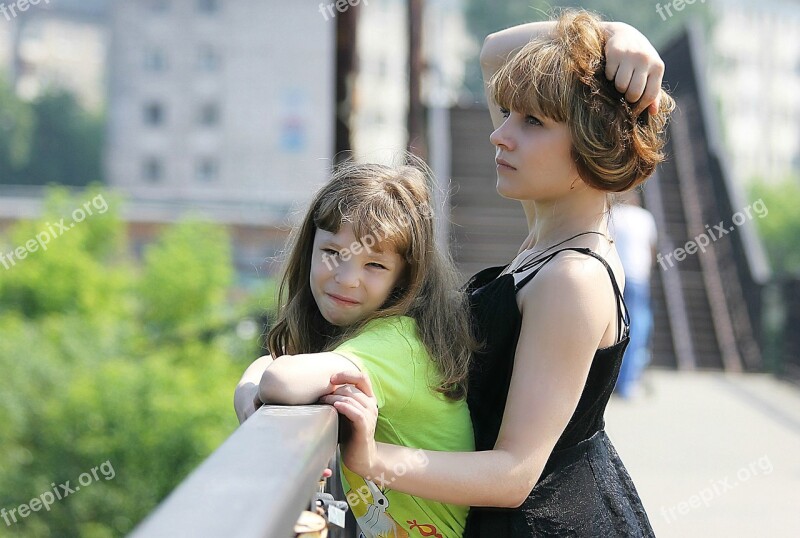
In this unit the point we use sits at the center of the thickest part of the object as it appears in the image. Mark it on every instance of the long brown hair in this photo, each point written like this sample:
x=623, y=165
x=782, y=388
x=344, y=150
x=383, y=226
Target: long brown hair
x=395, y=204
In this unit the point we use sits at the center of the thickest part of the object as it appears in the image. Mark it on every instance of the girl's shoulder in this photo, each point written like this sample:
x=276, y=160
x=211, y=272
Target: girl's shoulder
x=389, y=329
x=391, y=323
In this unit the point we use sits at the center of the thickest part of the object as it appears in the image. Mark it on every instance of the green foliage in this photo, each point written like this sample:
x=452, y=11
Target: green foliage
x=51, y=140
x=186, y=276
x=84, y=384
x=780, y=230
x=16, y=134
x=67, y=142
x=66, y=273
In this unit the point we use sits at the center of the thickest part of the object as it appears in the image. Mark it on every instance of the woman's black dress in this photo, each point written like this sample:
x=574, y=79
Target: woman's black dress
x=584, y=490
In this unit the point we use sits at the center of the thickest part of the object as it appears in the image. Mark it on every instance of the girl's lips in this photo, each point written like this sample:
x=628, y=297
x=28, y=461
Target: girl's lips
x=342, y=300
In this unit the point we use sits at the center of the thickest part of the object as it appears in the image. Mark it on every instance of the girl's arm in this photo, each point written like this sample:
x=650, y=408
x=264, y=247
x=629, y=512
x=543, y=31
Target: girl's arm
x=290, y=380
x=565, y=317
x=245, y=397
x=301, y=379
x=631, y=61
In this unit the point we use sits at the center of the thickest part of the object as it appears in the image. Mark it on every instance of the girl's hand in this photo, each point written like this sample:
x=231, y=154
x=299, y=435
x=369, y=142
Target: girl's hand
x=356, y=401
x=634, y=65
x=246, y=400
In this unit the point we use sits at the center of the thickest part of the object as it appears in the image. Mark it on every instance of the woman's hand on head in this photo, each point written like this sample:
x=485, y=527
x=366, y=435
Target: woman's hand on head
x=634, y=65
x=355, y=400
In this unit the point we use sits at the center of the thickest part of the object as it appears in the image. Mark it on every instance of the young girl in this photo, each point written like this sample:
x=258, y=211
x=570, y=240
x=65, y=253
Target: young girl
x=553, y=320
x=366, y=289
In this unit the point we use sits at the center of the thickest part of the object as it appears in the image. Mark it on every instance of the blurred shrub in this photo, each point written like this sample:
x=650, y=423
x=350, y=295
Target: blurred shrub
x=780, y=230
x=101, y=363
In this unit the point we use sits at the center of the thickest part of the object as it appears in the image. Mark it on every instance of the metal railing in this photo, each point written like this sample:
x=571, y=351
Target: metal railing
x=256, y=483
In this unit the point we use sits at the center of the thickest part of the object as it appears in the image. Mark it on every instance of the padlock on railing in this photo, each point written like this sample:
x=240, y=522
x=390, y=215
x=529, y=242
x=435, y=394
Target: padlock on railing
x=324, y=511
x=331, y=509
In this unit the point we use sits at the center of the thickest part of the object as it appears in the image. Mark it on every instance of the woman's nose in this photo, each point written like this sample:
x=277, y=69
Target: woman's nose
x=501, y=137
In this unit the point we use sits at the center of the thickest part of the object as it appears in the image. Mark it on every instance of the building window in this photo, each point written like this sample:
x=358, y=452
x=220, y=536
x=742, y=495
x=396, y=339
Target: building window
x=209, y=115
x=207, y=170
x=154, y=114
x=208, y=6
x=208, y=58
x=153, y=170
x=155, y=60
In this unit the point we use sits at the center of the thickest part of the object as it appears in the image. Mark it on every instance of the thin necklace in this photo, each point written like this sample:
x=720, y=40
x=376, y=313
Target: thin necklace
x=532, y=257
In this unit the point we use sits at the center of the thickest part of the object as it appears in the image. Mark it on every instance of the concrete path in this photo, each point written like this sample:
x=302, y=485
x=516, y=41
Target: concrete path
x=713, y=454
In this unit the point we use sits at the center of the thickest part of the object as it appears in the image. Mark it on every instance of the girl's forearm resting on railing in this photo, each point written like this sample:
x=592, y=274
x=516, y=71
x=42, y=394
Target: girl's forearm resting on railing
x=301, y=379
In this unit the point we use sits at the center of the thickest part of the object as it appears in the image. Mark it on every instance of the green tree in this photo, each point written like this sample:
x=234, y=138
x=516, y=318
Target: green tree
x=83, y=384
x=780, y=230
x=186, y=277
x=16, y=134
x=67, y=143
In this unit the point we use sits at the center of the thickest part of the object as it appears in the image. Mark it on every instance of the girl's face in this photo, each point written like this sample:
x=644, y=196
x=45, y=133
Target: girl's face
x=534, y=159
x=350, y=281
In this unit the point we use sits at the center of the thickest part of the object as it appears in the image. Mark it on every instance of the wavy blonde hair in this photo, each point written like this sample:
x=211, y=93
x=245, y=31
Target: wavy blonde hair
x=394, y=203
x=562, y=77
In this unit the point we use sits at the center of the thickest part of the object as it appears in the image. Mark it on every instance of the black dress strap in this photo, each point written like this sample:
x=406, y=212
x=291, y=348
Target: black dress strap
x=536, y=255
x=623, y=315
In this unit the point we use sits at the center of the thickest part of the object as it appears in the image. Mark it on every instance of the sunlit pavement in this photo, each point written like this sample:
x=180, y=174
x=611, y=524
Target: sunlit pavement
x=713, y=454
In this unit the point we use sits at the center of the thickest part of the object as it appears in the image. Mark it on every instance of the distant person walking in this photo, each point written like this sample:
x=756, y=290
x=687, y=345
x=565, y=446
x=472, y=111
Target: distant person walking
x=634, y=231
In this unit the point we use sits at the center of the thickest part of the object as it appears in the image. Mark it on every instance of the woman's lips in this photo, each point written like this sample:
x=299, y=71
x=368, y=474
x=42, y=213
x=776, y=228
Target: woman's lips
x=503, y=165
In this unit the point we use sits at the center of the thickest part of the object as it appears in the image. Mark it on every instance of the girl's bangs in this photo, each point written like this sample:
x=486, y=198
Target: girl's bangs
x=378, y=227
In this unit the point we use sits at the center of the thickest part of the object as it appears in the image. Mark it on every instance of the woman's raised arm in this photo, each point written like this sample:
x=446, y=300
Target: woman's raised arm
x=631, y=61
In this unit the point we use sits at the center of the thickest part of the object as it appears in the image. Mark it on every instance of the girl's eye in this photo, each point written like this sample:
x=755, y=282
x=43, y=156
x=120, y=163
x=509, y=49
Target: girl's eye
x=330, y=251
x=377, y=265
x=505, y=112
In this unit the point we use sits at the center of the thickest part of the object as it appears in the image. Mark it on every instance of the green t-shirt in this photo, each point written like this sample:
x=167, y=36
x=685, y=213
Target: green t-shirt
x=412, y=414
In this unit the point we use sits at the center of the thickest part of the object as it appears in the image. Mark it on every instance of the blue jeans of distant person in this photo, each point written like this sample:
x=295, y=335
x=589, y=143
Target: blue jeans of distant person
x=637, y=355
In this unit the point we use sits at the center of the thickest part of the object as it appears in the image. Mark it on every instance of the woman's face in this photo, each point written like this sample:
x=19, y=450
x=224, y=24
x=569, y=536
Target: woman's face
x=534, y=158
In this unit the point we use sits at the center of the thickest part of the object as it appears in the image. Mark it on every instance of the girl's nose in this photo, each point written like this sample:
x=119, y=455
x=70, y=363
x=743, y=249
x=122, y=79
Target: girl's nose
x=346, y=275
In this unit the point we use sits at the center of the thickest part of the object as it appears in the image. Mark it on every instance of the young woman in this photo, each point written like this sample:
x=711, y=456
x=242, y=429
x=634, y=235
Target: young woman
x=553, y=320
x=366, y=290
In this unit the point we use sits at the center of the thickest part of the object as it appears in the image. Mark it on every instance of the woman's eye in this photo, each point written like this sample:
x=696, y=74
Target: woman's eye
x=330, y=251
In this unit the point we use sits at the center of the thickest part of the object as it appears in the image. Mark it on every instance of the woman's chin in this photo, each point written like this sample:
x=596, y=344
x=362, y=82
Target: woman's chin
x=508, y=191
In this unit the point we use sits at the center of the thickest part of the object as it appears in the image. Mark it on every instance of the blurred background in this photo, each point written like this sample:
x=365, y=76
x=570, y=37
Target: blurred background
x=154, y=155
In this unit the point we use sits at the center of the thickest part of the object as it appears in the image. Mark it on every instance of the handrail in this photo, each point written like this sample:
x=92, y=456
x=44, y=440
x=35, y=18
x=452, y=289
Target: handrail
x=256, y=483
